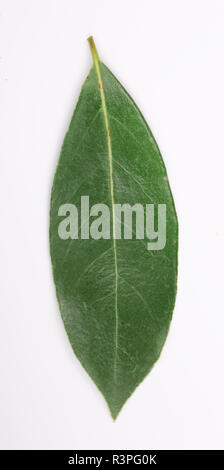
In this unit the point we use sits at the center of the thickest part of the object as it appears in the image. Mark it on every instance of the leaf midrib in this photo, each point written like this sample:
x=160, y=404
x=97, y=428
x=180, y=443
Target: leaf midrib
x=110, y=157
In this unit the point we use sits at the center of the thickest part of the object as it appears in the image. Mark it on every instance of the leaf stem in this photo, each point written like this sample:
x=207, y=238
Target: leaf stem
x=93, y=49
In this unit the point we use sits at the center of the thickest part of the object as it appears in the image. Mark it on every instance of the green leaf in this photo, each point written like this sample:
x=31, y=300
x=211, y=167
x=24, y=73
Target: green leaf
x=116, y=296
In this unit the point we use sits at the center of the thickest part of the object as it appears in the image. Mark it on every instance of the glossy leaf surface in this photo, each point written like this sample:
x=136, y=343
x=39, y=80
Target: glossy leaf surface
x=116, y=297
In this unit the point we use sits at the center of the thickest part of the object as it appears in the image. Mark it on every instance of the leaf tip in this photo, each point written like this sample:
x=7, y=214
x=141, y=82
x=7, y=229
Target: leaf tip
x=114, y=416
x=114, y=410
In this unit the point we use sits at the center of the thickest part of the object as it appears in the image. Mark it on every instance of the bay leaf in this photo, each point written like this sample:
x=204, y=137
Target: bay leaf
x=116, y=295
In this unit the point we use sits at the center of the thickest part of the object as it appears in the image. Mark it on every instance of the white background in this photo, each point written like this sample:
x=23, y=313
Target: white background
x=169, y=56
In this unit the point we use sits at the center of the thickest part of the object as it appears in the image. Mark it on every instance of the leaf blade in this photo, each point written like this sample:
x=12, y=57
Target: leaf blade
x=109, y=302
